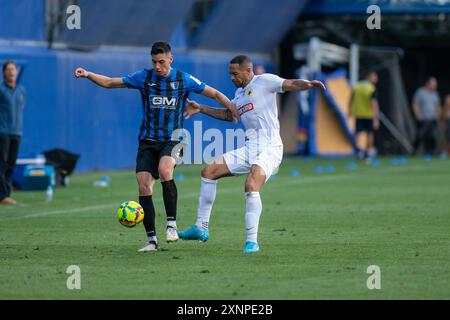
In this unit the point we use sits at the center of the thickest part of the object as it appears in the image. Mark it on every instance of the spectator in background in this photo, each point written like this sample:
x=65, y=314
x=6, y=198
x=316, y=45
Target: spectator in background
x=364, y=107
x=259, y=69
x=426, y=106
x=446, y=123
x=12, y=102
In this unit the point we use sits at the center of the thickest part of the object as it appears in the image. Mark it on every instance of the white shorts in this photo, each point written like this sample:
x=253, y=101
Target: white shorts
x=240, y=161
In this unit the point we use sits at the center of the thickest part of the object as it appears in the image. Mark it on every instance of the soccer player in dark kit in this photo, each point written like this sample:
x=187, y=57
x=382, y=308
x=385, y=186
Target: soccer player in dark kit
x=164, y=92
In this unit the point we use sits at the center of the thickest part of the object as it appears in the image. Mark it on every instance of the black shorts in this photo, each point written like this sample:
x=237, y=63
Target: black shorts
x=364, y=125
x=151, y=151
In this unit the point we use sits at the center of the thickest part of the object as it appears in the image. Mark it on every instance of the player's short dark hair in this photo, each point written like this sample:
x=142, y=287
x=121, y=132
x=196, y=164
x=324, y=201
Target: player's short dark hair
x=7, y=63
x=241, y=60
x=161, y=47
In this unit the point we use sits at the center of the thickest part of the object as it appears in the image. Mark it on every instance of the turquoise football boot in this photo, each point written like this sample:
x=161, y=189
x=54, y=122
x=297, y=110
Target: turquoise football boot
x=194, y=233
x=251, y=247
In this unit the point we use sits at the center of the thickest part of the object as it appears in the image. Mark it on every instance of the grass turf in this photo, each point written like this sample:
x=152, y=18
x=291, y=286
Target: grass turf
x=318, y=234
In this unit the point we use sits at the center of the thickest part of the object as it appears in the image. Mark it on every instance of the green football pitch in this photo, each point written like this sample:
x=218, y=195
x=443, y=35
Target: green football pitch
x=319, y=233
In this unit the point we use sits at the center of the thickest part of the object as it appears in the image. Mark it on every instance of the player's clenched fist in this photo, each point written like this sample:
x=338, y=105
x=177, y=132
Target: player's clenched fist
x=317, y=84
x=81, y=73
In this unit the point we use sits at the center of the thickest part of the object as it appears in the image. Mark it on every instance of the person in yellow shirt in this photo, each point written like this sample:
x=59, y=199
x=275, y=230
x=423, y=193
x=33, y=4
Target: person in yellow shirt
x=364, y=107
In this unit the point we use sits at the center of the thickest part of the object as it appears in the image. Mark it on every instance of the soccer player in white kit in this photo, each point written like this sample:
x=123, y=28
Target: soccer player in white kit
x=262, y=153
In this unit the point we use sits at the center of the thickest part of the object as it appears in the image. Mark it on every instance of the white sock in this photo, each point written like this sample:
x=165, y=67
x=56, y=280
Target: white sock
x=205, y=202
x=252, y=214
x=172, y=224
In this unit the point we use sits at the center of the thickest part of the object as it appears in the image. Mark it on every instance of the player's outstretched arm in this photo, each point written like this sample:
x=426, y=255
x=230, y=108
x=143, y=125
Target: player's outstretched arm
x=100, y=80
x=219, y=113
x=300, y=84
x=222, y=99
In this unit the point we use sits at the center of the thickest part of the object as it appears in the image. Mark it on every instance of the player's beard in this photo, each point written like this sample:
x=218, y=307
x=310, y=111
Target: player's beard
x=239, y=83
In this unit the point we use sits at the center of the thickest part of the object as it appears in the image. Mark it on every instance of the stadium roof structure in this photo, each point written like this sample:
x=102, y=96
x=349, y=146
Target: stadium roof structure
x=387, y=6
x=227, y=25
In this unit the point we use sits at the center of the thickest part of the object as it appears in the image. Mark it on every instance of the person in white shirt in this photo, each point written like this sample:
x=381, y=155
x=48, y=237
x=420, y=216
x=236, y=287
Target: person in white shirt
x=262, y=153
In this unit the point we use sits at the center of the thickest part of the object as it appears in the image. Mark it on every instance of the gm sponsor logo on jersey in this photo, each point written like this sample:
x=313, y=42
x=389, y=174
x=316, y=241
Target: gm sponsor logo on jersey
x=163, y=102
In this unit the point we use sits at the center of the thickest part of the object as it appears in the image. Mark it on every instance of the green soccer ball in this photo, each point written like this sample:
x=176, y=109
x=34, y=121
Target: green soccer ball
x=130, y=214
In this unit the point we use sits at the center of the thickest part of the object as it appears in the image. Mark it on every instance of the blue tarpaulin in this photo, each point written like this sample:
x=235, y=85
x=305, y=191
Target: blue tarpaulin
x=133, y=23
x=22, y=19
x=250, y=25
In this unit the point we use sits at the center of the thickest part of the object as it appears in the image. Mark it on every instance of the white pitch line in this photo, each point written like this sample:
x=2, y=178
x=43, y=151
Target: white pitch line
x=306, y=180
x=75, y=210
x=183, y=196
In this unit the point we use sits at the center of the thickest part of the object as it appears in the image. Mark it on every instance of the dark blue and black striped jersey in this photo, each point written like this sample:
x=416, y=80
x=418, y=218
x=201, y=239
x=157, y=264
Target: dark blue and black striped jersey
x=163, y=100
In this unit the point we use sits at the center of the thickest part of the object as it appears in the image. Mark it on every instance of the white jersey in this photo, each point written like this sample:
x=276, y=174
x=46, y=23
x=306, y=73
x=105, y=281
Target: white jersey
x=257, y=106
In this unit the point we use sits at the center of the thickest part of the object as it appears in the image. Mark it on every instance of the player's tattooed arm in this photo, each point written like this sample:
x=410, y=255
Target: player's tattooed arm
x=218, y=113
x=300, y=84
x=100, y=80
x=222, y=99
x=193, y=107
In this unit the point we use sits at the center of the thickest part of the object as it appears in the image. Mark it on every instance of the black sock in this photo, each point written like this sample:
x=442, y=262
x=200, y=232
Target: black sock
x=149, y=215
x=170, y=196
